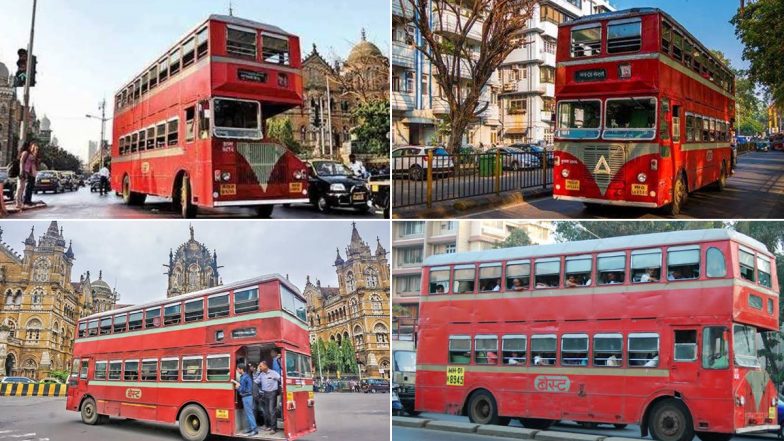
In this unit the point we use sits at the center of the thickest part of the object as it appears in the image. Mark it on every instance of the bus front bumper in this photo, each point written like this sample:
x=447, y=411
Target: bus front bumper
x=760, y=428
x=260, y=202
x=606, y=201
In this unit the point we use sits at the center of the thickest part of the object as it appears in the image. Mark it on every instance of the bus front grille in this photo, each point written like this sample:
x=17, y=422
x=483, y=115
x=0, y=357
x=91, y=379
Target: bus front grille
x=262, y=158
x=603, y=162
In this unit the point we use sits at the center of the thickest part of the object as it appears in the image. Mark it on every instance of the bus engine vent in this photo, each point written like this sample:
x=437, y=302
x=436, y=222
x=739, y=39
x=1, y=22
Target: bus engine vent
x=262, y=158
x=604, y=161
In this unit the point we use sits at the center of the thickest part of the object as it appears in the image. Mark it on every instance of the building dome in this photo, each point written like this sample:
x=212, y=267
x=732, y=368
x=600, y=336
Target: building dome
x=45, y=123
x=100, y=284
x=363, y=50
x=3, y=73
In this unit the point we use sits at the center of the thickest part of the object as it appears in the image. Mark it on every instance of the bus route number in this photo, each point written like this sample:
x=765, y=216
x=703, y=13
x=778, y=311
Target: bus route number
x=455, y=375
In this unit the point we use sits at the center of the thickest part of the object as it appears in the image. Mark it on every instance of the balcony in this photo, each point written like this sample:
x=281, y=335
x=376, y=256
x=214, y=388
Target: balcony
x=548, y=59
x=399, y=12
x=550, y=28
x=402, y=101
x=465, y=67
x=439, y=106
x=402, y=55
x=447, y=22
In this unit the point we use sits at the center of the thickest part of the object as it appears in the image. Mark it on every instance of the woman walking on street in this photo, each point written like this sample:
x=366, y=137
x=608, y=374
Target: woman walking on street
x=30, y=170
x=22, y=181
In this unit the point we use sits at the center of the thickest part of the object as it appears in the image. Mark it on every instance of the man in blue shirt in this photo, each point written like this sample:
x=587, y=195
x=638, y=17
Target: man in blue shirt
x=269, y=383
x=276, y=362
x=245, y=389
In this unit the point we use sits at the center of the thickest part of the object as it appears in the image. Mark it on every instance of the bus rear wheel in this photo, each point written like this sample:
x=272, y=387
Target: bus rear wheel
x=536, y=423
x=187, y=209
x=670, y=421
x=90, y=412
x=721, y=184
x=714, y=436
x=131, y=197
x=264, y=211
x=482, y=409
x=194, y=423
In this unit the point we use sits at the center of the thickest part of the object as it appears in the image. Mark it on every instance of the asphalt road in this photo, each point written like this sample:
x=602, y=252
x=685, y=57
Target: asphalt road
x=756, y=191
x=344, y=417
x=83, y=204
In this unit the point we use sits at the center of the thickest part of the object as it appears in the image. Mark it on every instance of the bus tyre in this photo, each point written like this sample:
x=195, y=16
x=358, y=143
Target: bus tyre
x=620, y=426
x=264, y=211
x=187, y=209
x=714, y=436
x=482, y=409
x=131, y=197
x=90, y=412
x=679, y=195
x=194, y=423
x=721, y=184
x=670, y=421
x=415, y=173
x=536, y=423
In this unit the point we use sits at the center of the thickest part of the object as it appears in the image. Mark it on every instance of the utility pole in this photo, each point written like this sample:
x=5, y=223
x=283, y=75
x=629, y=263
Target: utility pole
x=321, y=125
x=28, y=75
x=103, y=129
x=329, y=118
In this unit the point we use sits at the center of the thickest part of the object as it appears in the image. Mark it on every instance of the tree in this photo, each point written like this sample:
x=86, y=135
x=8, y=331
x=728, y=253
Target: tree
x=517, y=238
x=348, y=358
x=759, y=26
x=279, y=128
x=752, y=115
x=585, y=230
x=372, y=127
x=56, y=158
x=60, y=374
x=452, y=55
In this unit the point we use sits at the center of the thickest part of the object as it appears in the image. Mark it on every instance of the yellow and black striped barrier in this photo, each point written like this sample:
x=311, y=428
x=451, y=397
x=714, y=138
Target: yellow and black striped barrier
x=32, y=390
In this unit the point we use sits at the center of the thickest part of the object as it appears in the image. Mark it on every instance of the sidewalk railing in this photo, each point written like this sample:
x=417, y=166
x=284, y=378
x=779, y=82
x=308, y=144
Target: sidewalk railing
x=426, y=179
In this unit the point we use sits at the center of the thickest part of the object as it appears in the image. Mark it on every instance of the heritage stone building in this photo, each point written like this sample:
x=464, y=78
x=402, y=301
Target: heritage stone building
x=192, y=268
x=358, y=309
x=41, y=305
x=10, y=117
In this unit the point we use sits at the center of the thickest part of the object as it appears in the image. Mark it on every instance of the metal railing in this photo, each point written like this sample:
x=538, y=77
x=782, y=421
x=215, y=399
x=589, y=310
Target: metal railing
x=428, y=178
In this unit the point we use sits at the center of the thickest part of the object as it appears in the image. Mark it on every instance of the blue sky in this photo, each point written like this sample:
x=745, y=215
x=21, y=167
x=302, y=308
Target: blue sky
x=87, y=48
x=708, y=20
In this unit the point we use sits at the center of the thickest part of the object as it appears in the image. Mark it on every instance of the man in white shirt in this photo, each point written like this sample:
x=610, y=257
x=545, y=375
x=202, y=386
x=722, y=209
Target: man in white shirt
x=104, y=174
x=356, y=166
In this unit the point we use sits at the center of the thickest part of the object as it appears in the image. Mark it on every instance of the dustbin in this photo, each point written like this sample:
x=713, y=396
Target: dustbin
x=487, y=165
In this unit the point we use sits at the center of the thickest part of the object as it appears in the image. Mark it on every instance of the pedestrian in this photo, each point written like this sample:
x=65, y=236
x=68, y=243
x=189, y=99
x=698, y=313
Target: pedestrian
x=356, y=166
x=104, y=173
x=269, y=383
x=30, y=169
x=22, y=181
x=276, y=362
x=245, y=389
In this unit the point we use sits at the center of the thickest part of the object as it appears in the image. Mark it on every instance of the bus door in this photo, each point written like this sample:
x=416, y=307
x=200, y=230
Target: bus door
x=77, y=382
x=669, y=157
x=685, y=366
x=297, y=398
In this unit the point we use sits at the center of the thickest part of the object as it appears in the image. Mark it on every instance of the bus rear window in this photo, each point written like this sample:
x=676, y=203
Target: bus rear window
x=624, y=37
x=275, y=50
x=292, y=303
x=439, y=280
x=763, y=270
x=241, y=42
x=460, y=349
x=586, y=42
x=746, y=261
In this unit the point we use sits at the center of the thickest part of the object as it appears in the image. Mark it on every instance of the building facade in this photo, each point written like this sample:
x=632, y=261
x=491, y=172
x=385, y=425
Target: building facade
x=413, y=241
x=10, y=117
x=192, y=268
x=357, y=310
x=527, y=99
x=41, y=304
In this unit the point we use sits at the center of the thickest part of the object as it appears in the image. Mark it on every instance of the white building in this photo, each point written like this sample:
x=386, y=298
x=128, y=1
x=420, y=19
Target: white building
x=527, y=75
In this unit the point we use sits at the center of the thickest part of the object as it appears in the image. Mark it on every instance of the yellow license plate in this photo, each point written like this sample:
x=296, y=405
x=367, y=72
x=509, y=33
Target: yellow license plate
x=772, y=413
x=358, y=196
x=572, y=184
x=295, y=187
x=222, y=414
x=44, y=181
x=374, y=188
x=228, y=189
x=639, y=190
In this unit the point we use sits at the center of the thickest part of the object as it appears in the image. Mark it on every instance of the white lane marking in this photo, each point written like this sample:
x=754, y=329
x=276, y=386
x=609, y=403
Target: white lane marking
x=24, y=435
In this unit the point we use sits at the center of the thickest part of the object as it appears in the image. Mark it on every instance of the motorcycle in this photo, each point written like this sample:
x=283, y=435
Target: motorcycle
x=379, y=192
x=397, y=406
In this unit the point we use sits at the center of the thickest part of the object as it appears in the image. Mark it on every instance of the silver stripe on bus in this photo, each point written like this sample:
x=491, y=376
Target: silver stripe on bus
x=599, y=371
x=219, y=59
x=162, y=153
x=606, y=201
x=260, y=202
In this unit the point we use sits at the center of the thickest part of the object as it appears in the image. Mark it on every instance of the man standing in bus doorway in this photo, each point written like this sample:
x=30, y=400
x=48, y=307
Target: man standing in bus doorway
x=276, y=362
x=104, y=173
x=245, y=389
x=270, y=383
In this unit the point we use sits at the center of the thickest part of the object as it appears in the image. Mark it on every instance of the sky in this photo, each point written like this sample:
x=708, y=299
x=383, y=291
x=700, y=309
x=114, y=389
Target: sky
x=707, y=20
x=87, y=49
x=132, y=253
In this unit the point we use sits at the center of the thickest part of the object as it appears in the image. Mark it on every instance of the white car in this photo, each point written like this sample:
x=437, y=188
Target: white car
x=412, y=161
x=23, y=380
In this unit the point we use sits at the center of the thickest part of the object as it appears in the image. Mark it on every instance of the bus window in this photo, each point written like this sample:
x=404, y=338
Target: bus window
x=145, y=82
x=190, y=129
x=689, y=128
x=194, y=310
x=755, y=301
x=770, y=306
x=574, y=350
x=174, y=62
x=460, y=349
x=677, y=46
x=685, y=345
x=543, y=349
x=100, y=370
x=490, y=277
x=236, y=119
x=115, y=369
x=191, y=368
x=154, y=76
x=131, y=371
x=646, y=265
x=688, y=51
x=169, y=369
x=160, y=135
x=712, y=129
x=611, y=268
x=150, y=138
x=439, y=280
x=464, y=279
x=202, y=41
x=163, y=70
x=746, y=261
x=241, y=42
x=218, y=306
x=119, y=323
x=106, y=326
x=644, y=350
x=82, y=329
x=217, y=368
x=630, y=118
x=153, y=318
x=292, y=303
x=608, y=350
x=513, y=349
x=188, y=52
x=122, y=145
x=204, y=120
x=579, y=120
x=715, y=265
x=149, y=370
x=172, y=128
x=275, y=50
x=714, y=348
x=744, y=341
x=135, y=321
x=92, y=327
x=624, y=37
x=134, y=142
x=586, y=41
x=705, y=129
x=578, y=271
x=676, y=123
x=763, y=271
x=171, y=314
x=137, y=90
x=518, y=275
x=246, y=300
x=547, y=273
x=486, y=349
x=683, y=263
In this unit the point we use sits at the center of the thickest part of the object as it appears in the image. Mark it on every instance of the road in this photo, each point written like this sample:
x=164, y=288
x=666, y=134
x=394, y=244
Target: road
x=83, y=204
x=343, y=417
x=411, y=434
x=756, y=191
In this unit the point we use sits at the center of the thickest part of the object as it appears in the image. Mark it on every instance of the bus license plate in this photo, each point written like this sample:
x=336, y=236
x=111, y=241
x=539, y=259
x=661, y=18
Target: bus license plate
x=358, y=196
x=222, y=414
x=639, y=190
x=228, y=189
x=772, y=413
x=295, y=187
x=572, y=184
x=374, y=188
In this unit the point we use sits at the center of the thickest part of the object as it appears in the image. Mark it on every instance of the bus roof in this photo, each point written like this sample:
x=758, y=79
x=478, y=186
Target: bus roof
x=196, y=294
x=247, y=23
x=596, y=245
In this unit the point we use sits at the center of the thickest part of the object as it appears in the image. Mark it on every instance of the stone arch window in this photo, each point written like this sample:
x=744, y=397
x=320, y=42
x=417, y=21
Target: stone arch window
x=55, y=332
x=353, y=305
x=18, y=297
x=41, y=269
x=359, y=339
x=29, y=367
x=9, y=297
x=350, y=282
x=375, y=303
x=346, y=338
x=12, y=325
x=33, y=329
x=38, y=296
x=371, y=278
x=62, y=336
x=382, y=334
x=194, y=277
x=384, y=364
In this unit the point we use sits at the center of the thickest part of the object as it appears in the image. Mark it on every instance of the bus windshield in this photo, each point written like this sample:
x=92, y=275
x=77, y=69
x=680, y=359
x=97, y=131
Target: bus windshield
x=405, y=361
x=745, y=346
x=630, y=118
x=237, y=119
x=579, y=119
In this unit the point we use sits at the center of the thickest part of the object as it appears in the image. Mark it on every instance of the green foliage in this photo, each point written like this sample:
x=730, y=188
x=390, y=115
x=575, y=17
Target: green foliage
x=60, y=374
x=57, y=158
x=752, y=117
x=279, y=129
x=348, y=358
x=372, y=127
x=761, y=30
x=517, y=238
x=571, y=231
x=329, y=358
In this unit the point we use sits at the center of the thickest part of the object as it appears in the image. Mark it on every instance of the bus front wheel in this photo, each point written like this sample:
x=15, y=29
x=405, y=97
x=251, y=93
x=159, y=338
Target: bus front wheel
x=90, y=412
x=482, y=409
x=670, y=421
x=194, y=423
x=187, y=209
x=679, y=195
x=264, y=211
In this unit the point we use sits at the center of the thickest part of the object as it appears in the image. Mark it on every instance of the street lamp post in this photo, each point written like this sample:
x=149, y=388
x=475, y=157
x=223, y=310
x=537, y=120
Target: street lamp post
x=103, y=120
x=28, y=74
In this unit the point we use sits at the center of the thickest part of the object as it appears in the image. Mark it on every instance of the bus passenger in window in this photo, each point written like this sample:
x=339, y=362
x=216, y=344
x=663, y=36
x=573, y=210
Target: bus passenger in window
x=517, y=285
x=439, y=289
x=542, y=284
x=675, y=274
x=516, y=359
x=612, y=278
x=653, y=362
x=540, y=361
x=650, y=275
x=571, y=281
x=493, y=285
x=612, y=361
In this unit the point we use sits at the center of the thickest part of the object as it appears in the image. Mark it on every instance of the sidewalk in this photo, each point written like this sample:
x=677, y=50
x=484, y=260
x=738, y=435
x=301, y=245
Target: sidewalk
x=463, y=206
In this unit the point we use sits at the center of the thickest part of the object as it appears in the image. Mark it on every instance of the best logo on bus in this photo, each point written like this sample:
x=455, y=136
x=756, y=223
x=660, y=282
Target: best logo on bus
x=590, y=75
x=133, y=393
x=552, y=383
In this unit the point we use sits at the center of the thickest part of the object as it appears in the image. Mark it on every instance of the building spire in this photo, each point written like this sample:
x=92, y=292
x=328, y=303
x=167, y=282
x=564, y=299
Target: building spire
x=191, y=227
x=364, y=37
x=31, y=238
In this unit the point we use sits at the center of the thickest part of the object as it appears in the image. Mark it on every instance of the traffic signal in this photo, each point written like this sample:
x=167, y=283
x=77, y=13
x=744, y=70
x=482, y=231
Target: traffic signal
x=32, y=74
x=21, y=68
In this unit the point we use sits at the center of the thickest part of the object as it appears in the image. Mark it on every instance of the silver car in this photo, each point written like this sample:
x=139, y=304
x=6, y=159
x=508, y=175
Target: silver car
x=411, y=161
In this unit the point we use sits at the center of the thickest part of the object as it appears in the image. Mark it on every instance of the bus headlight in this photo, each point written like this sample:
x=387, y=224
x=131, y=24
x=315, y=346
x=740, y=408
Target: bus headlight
x=565, y=173
x=654, y=164
x=740, y=401
x=226, y=176
x=642, y=177
x=337, y=187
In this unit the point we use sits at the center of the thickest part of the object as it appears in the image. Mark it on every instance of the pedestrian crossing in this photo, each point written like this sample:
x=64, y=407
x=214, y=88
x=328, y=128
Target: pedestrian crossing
x=18, y=435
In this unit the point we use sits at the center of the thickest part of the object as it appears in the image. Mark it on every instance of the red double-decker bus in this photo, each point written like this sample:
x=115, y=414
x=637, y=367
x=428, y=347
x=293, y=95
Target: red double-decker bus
x=191, y=126
x=644, y=112
x=172, y=361
x=658, y=330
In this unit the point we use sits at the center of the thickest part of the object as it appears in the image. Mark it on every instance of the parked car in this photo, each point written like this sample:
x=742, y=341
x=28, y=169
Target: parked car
x=9, y=184
x=332, y=184
x=537, y=150
x=69, y=180
x=22, y=380
x=373, y=385
x=48, y=180
x=94, y=182
x=763, y=146
x=52, y=380
x=516, y=159
x=411, y=161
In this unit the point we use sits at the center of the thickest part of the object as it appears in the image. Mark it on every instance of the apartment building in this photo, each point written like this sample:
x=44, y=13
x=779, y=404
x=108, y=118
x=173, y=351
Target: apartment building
x=417, y=99
x=413, y=241
x=527, y=97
